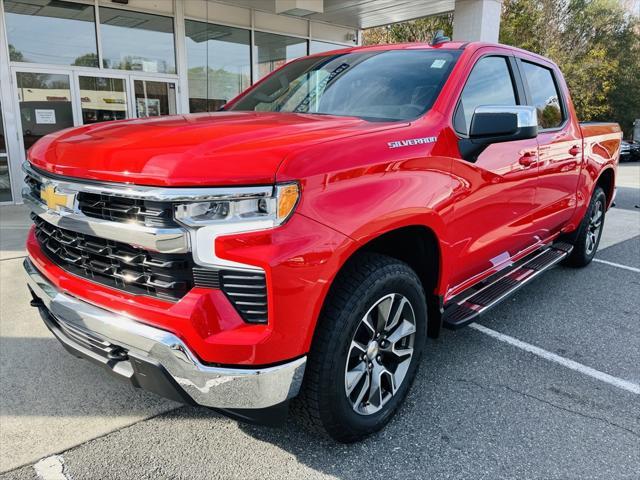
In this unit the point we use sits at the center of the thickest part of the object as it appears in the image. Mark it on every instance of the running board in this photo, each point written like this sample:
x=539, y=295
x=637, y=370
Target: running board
x=470, y=305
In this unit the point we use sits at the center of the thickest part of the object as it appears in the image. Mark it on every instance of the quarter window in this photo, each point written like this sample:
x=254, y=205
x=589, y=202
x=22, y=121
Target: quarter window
x=489, y=84
x=544, y=94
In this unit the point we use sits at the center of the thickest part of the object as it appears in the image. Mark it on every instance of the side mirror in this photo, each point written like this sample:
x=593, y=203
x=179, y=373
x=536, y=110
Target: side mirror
x=496, y=124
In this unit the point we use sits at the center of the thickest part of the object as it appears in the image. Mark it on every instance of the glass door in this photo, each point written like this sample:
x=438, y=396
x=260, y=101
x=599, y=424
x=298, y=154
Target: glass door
x=44, y=102
x=102, y=98
x=5, y=181
x=153, y=98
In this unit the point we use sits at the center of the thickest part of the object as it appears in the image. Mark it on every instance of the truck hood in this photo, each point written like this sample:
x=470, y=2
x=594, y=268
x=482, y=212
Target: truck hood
x=222, y=148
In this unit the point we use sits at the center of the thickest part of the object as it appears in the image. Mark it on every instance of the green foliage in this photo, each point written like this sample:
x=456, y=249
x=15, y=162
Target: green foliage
x=420, y=30
x=596, y=44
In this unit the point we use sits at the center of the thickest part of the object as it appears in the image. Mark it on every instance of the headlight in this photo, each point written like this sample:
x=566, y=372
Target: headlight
x=247, y=209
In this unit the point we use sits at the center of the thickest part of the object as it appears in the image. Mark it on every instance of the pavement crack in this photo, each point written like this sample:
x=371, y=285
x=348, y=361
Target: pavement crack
x=551, y=404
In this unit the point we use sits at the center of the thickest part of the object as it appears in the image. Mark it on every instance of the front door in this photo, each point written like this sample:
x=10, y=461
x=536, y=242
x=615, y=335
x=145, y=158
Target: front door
x=45, y=103
x=102, y=98
x=494, y=194
x=153, y=98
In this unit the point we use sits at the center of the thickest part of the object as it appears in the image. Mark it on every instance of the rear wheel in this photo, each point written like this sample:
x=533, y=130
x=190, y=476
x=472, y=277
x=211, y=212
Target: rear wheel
x=589, y=232
x=366, y=349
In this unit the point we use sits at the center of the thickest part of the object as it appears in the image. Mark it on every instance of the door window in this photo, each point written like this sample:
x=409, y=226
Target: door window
x=544, y=94
x=102, y=99
x=45, y=104
x=489, y=83
x=154, y=98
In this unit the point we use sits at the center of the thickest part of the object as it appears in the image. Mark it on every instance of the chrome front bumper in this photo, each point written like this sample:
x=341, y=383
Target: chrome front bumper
x=155, y=359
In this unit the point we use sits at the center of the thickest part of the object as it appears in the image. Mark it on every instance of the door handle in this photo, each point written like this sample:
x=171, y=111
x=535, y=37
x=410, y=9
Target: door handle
x=575, y=151
x=528, y=159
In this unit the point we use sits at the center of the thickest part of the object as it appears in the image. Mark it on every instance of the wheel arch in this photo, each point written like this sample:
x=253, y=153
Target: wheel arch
x=606, y=180
x=415, y=244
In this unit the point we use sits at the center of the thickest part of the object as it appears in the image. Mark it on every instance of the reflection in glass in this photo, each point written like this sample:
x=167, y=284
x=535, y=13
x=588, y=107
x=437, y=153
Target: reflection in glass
x=154, y=99
x=102, y=99
x=272, y=51
x=137, y=41
x=45, y=104
x=545, y=95
x=52, y=32
x=219, y=64
x=5, y=182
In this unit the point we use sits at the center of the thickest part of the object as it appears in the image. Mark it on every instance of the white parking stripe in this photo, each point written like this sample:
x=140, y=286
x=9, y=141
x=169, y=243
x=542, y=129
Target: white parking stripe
x=51, y=468
x=565, y=362
x=618, y=265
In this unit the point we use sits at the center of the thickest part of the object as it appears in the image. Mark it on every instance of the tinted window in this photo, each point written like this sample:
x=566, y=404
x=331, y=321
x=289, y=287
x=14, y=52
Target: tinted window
x=66, y=32
x=488, y=84
x=219, y=64
x=137, y=41
x=385, y=85
x=272, y=51
x=544, y=94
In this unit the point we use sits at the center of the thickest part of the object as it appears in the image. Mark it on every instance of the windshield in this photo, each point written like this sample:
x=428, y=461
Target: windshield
x=389, y=85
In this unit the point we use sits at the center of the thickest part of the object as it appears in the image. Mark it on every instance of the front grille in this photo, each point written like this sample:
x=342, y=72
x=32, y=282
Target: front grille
x=131, y=210
x=115, y=264
x=118, y=209
x=247, y=291
x=34, y=185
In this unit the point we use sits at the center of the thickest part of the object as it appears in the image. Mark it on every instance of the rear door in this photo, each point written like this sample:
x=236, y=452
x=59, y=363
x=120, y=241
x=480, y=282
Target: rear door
x=495, y=192
x=560, y=148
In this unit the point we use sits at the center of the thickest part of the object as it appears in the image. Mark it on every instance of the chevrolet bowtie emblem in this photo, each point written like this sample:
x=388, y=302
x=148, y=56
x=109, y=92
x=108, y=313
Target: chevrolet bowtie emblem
x=53, y=199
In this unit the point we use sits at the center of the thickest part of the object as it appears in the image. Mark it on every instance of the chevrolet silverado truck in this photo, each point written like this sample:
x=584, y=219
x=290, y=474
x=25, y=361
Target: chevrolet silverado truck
x=296, y=248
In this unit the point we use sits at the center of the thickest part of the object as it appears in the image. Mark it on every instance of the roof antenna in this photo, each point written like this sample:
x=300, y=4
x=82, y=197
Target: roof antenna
x=439, y=38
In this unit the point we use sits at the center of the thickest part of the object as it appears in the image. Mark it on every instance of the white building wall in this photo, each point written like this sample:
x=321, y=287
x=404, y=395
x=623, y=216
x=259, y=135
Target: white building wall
x=477, y=20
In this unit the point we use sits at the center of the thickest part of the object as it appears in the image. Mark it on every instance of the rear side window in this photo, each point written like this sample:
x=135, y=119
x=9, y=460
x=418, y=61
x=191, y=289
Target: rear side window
x=544, y=94
x=489, y=83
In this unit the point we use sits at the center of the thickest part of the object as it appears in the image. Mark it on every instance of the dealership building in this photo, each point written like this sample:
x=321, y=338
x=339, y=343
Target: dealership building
x=67, y=63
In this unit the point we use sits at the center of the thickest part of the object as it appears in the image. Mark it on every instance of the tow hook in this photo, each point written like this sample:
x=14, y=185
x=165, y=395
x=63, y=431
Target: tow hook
x=117, y=354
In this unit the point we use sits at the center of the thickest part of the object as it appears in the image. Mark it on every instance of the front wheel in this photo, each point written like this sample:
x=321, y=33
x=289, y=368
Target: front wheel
x=589, y=232
x=366, y=349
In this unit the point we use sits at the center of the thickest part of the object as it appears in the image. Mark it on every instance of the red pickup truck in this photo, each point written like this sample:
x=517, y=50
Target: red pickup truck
x=303, y=242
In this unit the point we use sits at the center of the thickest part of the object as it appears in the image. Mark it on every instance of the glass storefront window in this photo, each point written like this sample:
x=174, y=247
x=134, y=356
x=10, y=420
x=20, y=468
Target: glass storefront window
x=102, y=99
x=45, y=104
x=219, y=64
x=51, y=32
x=272, y=51
x=154, y=99
x=137, y=41
x=5, y=182
x=316, y=46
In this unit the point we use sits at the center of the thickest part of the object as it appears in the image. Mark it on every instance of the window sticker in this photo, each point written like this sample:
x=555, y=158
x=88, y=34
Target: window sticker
x=439, y=63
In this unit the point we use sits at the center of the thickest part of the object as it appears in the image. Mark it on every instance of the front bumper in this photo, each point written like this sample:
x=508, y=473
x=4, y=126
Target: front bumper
x=154, y=359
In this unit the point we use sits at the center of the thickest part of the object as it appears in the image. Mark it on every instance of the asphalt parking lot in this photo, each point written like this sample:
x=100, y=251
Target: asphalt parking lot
x=484, y=404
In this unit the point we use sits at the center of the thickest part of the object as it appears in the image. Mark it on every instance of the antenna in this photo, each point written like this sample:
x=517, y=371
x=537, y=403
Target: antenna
x=439, y=38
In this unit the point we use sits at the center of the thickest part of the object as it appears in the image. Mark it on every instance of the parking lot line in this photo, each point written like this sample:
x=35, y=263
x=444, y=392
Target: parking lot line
x=51, y=468
x=618, y=265
x=565, y=362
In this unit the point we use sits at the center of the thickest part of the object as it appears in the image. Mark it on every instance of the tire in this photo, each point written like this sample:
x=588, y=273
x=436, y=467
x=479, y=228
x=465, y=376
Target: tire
x=374, y=287
x=587, y=240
